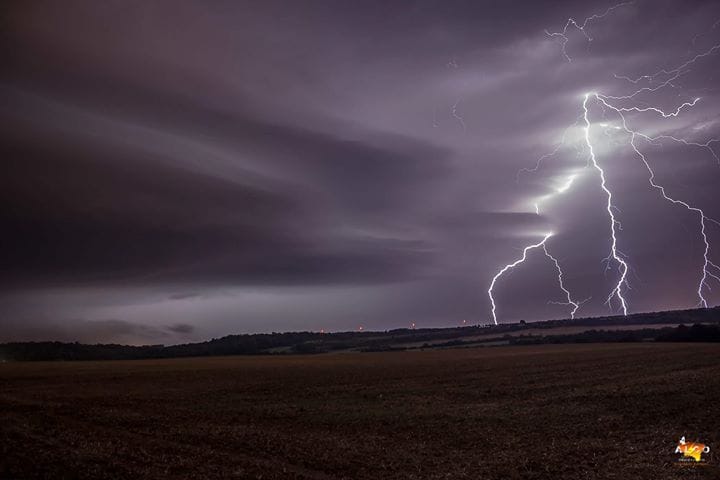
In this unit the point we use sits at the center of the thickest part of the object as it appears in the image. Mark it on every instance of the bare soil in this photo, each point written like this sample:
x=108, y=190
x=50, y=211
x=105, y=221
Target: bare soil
x=576, y=412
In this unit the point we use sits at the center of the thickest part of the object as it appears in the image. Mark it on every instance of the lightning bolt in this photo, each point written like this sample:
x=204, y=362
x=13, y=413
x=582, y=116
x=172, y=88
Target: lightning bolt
x=457, y=116
x=705, y=146
x=674, y=73
x=510, y=266
x=454, y=111
x=714, y=26
x=560, y=274
x=619, y=105
x=614, y=224
x=582, y=28
x=707, y=264
x=539, y=161
x=570, y=301
x=542, y=245
x=607, y=103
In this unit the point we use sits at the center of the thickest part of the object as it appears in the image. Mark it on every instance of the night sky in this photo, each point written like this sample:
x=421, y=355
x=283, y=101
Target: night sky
x=176, y=171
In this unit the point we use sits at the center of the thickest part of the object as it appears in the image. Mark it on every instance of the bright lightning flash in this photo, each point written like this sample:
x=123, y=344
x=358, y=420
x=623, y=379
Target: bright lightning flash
x=543, y=245
x=618, y=105
x=510, y=266
x=614, y=224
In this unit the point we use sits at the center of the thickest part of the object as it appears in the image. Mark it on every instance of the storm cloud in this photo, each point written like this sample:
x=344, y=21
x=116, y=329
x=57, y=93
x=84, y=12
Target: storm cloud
x=196, y=169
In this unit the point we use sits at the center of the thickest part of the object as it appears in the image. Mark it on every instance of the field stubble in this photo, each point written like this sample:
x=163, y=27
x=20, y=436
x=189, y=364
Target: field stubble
x=553, y=411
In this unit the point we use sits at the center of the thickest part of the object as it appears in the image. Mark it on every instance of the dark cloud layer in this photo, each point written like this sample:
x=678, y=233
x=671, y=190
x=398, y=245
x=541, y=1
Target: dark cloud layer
x=196, y=169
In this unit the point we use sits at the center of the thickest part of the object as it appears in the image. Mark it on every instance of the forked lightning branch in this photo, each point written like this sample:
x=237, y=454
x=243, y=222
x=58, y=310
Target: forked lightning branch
x=620, y=107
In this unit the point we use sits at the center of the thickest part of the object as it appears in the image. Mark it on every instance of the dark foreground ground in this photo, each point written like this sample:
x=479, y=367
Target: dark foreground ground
x=546, y=412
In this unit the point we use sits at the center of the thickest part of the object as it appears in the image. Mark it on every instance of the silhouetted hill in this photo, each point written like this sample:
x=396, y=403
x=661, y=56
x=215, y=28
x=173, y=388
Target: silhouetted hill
x=704, y=328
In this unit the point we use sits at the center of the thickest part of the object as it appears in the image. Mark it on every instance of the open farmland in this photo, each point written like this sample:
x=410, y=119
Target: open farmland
x=552, y=411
